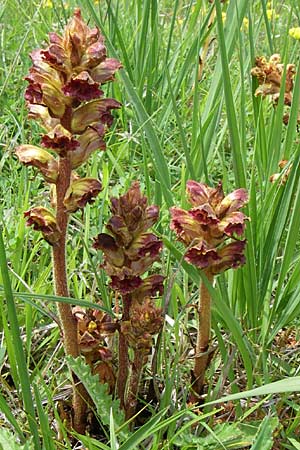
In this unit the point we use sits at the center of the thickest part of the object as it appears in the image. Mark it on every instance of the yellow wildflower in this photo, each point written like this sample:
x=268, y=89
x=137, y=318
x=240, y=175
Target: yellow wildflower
x=245, y=24
x=271, y=14
x=223, y=17
x=295, y=33
x=47, y=4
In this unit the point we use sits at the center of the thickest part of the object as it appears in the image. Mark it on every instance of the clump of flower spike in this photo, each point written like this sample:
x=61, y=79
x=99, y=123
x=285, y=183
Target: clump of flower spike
x=269, y=75
x=64, y=94
x=129, y=252
x=205, y=229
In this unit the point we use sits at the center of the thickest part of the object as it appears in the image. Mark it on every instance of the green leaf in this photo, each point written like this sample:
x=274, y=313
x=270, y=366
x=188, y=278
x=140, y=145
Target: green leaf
x=113, y=440
x=5, y=409
x=223, y=436
x=144, y=431
x=19, y=353
x=8, y=441
x=295, y=443
x=291, y=384
x=263, y=439
x=98, y=392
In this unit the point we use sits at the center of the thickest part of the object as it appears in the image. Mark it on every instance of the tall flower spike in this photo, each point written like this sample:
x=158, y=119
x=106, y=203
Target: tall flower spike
x=129, y=251
x=205, y=229
x=65, y=93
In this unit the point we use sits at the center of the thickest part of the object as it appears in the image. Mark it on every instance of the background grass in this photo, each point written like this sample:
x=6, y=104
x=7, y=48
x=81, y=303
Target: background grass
x=171, y=127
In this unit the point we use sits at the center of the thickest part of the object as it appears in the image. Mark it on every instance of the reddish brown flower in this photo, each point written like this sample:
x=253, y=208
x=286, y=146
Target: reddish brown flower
x=30, y=155
x=201, y=255
x=80, y=192
x=43, y=220
x=204, y=228
x=129, y=251
x=60, y=140
x=82, y=87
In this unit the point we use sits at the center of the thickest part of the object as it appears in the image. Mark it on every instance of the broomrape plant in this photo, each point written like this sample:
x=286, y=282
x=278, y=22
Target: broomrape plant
x=129, y=251
x=128, y=363
x=65, y=96
x=270, y=77
x=205, y=230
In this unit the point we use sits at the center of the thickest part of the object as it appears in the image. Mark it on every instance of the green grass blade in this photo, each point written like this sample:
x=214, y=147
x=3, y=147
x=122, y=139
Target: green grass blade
x=291, y=384
x=145, y=121
x=19, y=352
x=264, y=438
x=238, y=162
x=47, y=434
x=5, y=409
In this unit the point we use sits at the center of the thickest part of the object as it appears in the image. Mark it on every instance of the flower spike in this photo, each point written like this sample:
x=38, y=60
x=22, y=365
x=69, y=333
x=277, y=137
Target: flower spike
x=205, y=230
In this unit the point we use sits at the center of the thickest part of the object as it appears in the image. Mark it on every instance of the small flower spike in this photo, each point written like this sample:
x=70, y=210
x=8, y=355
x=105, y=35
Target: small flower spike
x=269, y=75
x=129, y=249
x=209, y=224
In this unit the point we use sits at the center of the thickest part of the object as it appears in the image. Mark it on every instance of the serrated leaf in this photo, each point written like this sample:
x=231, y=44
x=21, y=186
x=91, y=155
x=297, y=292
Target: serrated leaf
x=105, y=404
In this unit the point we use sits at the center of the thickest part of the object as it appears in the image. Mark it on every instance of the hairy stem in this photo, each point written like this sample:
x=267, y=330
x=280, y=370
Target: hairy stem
x=123, y=354
x=133, y=389
x=67, y=320
x=203, y=337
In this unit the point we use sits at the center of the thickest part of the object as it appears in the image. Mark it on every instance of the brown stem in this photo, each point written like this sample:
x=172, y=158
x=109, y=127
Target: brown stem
x=202, y=346
x=133, y=389
x=123, y=354
x=67, y=320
